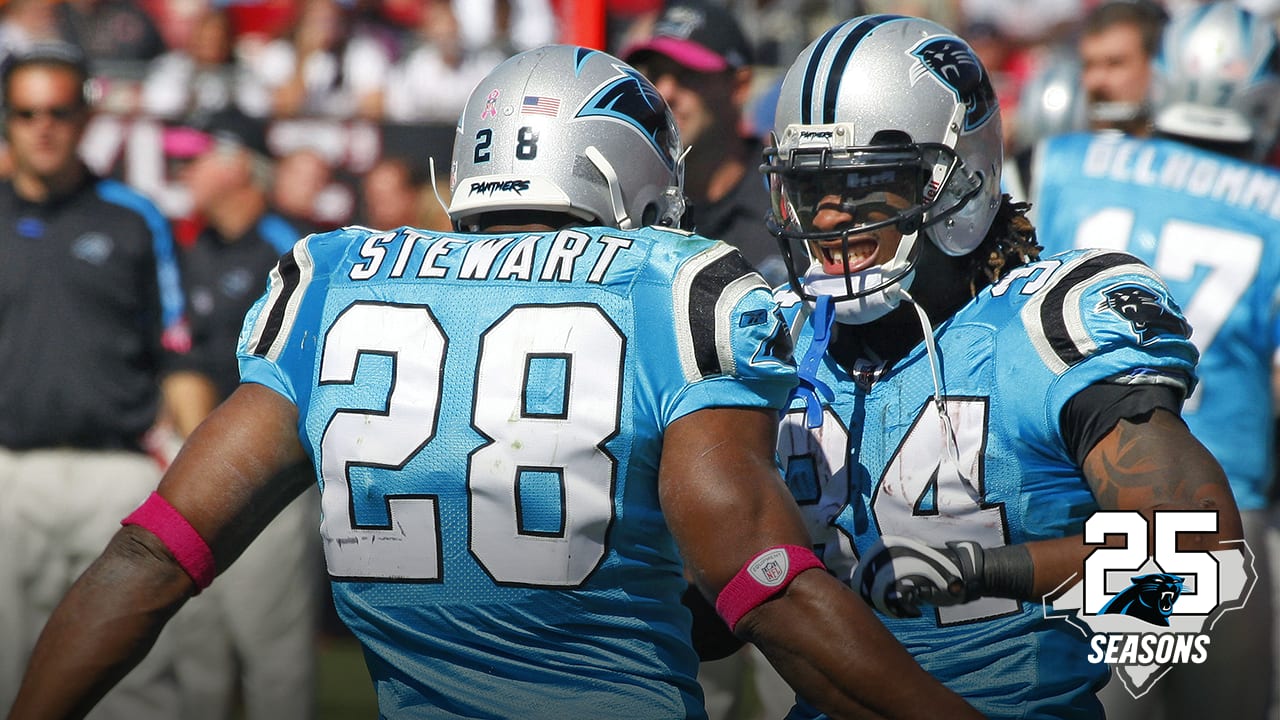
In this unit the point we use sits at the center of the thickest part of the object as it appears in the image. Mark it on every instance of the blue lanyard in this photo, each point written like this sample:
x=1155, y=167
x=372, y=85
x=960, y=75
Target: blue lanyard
x=822, y=317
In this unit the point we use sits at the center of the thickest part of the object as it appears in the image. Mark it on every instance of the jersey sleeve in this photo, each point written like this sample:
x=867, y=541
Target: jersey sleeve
x=277, y=342
x=733, y=346
x=1104, y=316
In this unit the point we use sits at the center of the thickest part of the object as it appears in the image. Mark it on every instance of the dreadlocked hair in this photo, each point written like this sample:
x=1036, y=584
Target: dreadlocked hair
x=1010, y=243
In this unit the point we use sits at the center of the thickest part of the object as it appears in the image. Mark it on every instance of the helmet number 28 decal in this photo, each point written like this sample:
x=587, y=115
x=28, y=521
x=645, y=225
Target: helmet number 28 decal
x=526, y=144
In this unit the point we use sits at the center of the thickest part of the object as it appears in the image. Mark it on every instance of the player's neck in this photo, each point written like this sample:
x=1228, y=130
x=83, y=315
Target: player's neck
x=526, y=227
x=941, y=288
x=884, y=341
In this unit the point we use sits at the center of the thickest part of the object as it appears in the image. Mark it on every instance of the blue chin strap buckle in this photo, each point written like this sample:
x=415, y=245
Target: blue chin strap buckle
x=811, y=389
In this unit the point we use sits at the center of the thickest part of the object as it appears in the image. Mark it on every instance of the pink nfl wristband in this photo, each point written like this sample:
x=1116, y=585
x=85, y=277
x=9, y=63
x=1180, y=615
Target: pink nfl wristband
x=762, y=577
x=188, y=548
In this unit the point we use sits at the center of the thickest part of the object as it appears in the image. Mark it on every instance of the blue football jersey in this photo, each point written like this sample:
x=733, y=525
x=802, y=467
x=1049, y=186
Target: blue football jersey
x=996, y=470
x=1210, y=225
x=485, y=414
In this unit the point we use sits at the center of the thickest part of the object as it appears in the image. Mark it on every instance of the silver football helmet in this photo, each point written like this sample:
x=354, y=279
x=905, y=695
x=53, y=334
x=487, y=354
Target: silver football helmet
x=570, y=130
x=886, y=103
x=1216, y=79
x=1051, y=103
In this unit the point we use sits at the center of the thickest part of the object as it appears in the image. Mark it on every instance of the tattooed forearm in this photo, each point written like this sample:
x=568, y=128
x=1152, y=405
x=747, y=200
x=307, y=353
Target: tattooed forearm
x=1156, y=464
x=1133, y=467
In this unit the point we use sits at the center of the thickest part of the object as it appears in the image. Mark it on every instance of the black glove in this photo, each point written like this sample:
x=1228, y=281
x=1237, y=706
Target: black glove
x=898, y=574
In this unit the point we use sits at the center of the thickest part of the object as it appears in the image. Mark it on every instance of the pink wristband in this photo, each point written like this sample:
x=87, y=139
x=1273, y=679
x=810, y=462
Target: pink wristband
x=188, y=548
x=762, y=577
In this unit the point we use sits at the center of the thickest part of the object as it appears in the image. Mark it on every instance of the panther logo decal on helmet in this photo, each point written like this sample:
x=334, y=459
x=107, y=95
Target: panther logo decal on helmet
x=953, y=62
x=633, y=100
x=571, y=131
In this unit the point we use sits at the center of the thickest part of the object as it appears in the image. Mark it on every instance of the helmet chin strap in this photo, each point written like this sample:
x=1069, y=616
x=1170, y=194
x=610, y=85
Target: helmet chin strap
x=877, y=290
x=950, y=443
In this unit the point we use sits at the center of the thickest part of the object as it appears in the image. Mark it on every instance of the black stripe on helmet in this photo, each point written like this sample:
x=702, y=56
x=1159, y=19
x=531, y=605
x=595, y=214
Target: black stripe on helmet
x=811, y=75
x=836, y=72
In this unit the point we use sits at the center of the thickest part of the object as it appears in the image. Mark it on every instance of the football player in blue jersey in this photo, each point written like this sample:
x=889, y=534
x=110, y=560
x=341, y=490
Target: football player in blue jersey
x=965, y=405
x=526, y=433
x=1196, y=204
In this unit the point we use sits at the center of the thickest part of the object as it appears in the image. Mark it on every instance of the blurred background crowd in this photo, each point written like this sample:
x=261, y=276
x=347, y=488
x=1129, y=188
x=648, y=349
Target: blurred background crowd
x=347, y=100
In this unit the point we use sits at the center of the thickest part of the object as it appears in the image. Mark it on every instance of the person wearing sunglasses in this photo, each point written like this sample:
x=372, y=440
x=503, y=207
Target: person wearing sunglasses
x=90, y=316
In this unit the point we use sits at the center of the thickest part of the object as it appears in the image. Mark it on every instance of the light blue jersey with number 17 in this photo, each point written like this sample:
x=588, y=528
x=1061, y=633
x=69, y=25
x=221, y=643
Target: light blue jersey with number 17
x=1210, y=225
x=485, y=414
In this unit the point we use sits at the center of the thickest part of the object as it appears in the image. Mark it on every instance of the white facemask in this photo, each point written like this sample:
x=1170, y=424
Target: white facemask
x=876, y=292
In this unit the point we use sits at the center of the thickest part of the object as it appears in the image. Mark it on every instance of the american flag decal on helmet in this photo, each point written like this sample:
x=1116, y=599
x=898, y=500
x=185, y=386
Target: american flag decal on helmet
x=540, y=105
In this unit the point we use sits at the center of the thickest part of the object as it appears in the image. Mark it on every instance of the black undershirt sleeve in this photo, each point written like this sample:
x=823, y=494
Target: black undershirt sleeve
x=1095, y=410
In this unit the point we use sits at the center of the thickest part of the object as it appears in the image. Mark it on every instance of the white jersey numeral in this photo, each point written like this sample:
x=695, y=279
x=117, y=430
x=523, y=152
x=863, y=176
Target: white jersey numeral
x=816, y=462
x=1228, y=261
x=931, y=489
x=543, y=449
x=567, y=444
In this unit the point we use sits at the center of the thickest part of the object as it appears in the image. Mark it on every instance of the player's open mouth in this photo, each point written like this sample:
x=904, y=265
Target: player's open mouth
x=862, y=253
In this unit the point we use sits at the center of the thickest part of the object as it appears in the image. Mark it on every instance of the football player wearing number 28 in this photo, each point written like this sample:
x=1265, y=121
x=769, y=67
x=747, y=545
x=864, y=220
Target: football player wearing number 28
x=524, y=432
x=964, y=405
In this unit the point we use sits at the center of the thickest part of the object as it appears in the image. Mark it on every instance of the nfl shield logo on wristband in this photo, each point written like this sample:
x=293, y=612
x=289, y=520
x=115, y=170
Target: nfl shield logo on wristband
x=770, y=567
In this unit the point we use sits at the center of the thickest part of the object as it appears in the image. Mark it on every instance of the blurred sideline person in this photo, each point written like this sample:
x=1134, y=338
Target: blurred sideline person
x=251, y=637
x=393, y=193
x=189, y=83
x=1118, y=42
x=949, y=439
x=299, y=180
x=1052, y=103
x=1196, y=204
x=90, y=323
x=525, y=437
x=700, y=60
x=1111, y=89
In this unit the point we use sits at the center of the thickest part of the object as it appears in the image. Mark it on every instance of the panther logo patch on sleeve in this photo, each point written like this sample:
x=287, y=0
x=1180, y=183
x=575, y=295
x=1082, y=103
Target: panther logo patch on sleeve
x=1145, y=312
x=778, y=346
